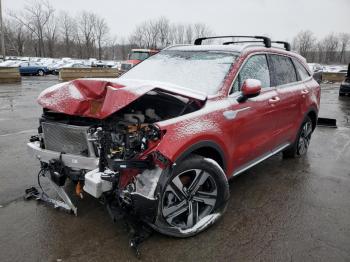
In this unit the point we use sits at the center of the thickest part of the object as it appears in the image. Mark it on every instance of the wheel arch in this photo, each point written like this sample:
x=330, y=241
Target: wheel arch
x=207, y=149
x=312, y=113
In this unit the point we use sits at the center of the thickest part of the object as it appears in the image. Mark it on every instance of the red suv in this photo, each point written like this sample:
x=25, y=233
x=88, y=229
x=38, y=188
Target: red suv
x=160, y=142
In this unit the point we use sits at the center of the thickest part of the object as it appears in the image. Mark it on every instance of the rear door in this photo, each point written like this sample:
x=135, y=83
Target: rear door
x=289, y=88
x=30, y=68
x=252, y=123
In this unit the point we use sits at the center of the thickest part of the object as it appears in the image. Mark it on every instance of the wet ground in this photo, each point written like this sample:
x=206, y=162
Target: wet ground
x=281, y=210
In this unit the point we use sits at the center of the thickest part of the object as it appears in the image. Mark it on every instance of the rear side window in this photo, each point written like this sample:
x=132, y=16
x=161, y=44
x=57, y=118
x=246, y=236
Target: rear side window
x=255, y=68
x=302, y=72
x=283, y=70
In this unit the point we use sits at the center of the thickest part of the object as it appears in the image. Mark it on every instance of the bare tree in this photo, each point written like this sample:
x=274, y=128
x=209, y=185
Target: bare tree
x=163, y=27
x=304, y=43
x=101, y=31
x=34, y=17
x=344, y=39
x=189, y=34
x=147, y=34
x=51, y=35
x=330, y=46
x=86, y=24
x=15, y=36
x=68, y=29
x=179, y=33
x=201, y=30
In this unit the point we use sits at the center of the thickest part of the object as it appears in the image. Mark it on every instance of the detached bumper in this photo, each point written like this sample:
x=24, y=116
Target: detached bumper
x=73, y=161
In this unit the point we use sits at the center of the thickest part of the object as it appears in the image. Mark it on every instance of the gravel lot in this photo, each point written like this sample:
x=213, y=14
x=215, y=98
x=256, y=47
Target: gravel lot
x=281, y=210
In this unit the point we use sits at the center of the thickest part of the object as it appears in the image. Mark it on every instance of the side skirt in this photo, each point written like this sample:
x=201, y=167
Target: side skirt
x=259, y=160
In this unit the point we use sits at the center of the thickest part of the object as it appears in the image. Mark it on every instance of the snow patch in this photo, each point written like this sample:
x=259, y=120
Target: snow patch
x=146, y=183
x=205, y=221
x=202, y=72
x=58, y=93
x=253, y=82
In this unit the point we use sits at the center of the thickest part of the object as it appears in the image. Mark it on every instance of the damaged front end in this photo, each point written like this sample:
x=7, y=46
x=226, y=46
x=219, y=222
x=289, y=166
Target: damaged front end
x=103, y=136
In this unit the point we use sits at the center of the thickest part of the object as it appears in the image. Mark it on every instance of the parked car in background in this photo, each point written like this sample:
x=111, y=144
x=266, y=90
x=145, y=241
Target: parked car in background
x=71, y=65
x=345, y=85
x=317, y=71
x=99, y=64
x=32, y=68
x=9, y=63
x=136, y=56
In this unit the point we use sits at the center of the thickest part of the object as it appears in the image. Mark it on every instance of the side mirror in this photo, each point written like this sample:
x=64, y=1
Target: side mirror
x=250, y=88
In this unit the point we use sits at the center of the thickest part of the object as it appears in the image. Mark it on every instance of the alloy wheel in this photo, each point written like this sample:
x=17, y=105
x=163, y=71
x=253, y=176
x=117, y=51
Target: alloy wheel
x=304, y=138
x=189, y=197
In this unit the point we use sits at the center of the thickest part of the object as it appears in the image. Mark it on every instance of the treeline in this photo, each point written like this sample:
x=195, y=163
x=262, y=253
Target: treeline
x=40, y=30
x=333, y=48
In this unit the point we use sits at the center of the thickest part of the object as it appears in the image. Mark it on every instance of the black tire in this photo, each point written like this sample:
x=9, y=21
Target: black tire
x=301, y=144
x=341, y=94
x=41, y=72
x=206, y=181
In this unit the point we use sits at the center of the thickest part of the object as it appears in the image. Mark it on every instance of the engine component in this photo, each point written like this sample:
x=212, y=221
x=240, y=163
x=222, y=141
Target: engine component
x=94, y=185
x=134, y=117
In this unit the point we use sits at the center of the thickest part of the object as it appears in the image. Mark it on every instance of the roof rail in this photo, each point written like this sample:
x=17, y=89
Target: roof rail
x=266, y=40
x=238, y=42
x=286, y=45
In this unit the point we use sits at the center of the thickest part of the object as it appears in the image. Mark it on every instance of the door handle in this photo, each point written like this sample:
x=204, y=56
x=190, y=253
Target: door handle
x=304, y=92
x=274, y=100
x=231, y=114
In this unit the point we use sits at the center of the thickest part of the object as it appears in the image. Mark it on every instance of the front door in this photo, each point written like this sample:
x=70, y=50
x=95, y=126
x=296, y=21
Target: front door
x=253, y=122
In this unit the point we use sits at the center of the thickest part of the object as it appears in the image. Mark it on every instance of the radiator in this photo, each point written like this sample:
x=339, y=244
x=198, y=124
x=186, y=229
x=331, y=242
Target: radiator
x=65, y=138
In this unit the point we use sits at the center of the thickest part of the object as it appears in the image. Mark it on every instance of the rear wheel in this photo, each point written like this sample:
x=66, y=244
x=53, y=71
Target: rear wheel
x=41, y=73
x=192, y=198
x=301, y=144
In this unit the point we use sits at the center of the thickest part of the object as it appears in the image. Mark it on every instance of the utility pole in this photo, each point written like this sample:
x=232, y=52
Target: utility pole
x=2, y=34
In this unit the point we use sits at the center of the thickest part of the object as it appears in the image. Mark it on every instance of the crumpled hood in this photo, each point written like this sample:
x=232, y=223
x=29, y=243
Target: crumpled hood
x=99, y=98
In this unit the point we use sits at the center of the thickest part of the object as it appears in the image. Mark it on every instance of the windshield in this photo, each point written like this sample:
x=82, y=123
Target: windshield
x=138, y=56
x=202, y=71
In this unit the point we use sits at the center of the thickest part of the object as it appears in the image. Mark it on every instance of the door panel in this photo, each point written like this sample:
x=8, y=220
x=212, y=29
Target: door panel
x=253, y=127
x=289, y=91
x=288, y=112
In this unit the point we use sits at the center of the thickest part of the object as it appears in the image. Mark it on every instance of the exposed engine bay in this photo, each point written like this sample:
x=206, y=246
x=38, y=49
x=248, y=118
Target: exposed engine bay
x=122, y=136
x=111, y=158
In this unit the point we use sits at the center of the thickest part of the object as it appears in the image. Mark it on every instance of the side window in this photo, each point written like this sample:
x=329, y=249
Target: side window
x=284, y=71
x=255, y=68
x=302, y=72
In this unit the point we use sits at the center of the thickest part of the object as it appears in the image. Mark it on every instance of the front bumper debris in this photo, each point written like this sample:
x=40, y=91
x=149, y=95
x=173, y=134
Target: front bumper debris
x=69, y=160
x=65, y=203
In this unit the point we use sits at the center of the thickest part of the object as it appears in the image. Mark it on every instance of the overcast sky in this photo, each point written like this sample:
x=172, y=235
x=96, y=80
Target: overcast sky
x=280, y=19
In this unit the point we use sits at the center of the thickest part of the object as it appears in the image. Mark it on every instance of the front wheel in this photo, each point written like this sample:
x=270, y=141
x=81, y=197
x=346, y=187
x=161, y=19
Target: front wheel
x=41, y=73
x=300, y=146
x=193, y=197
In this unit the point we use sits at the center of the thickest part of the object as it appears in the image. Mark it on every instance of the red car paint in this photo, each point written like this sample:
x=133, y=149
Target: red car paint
x=98, y=98
x=273, y=118
x=134, y=62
